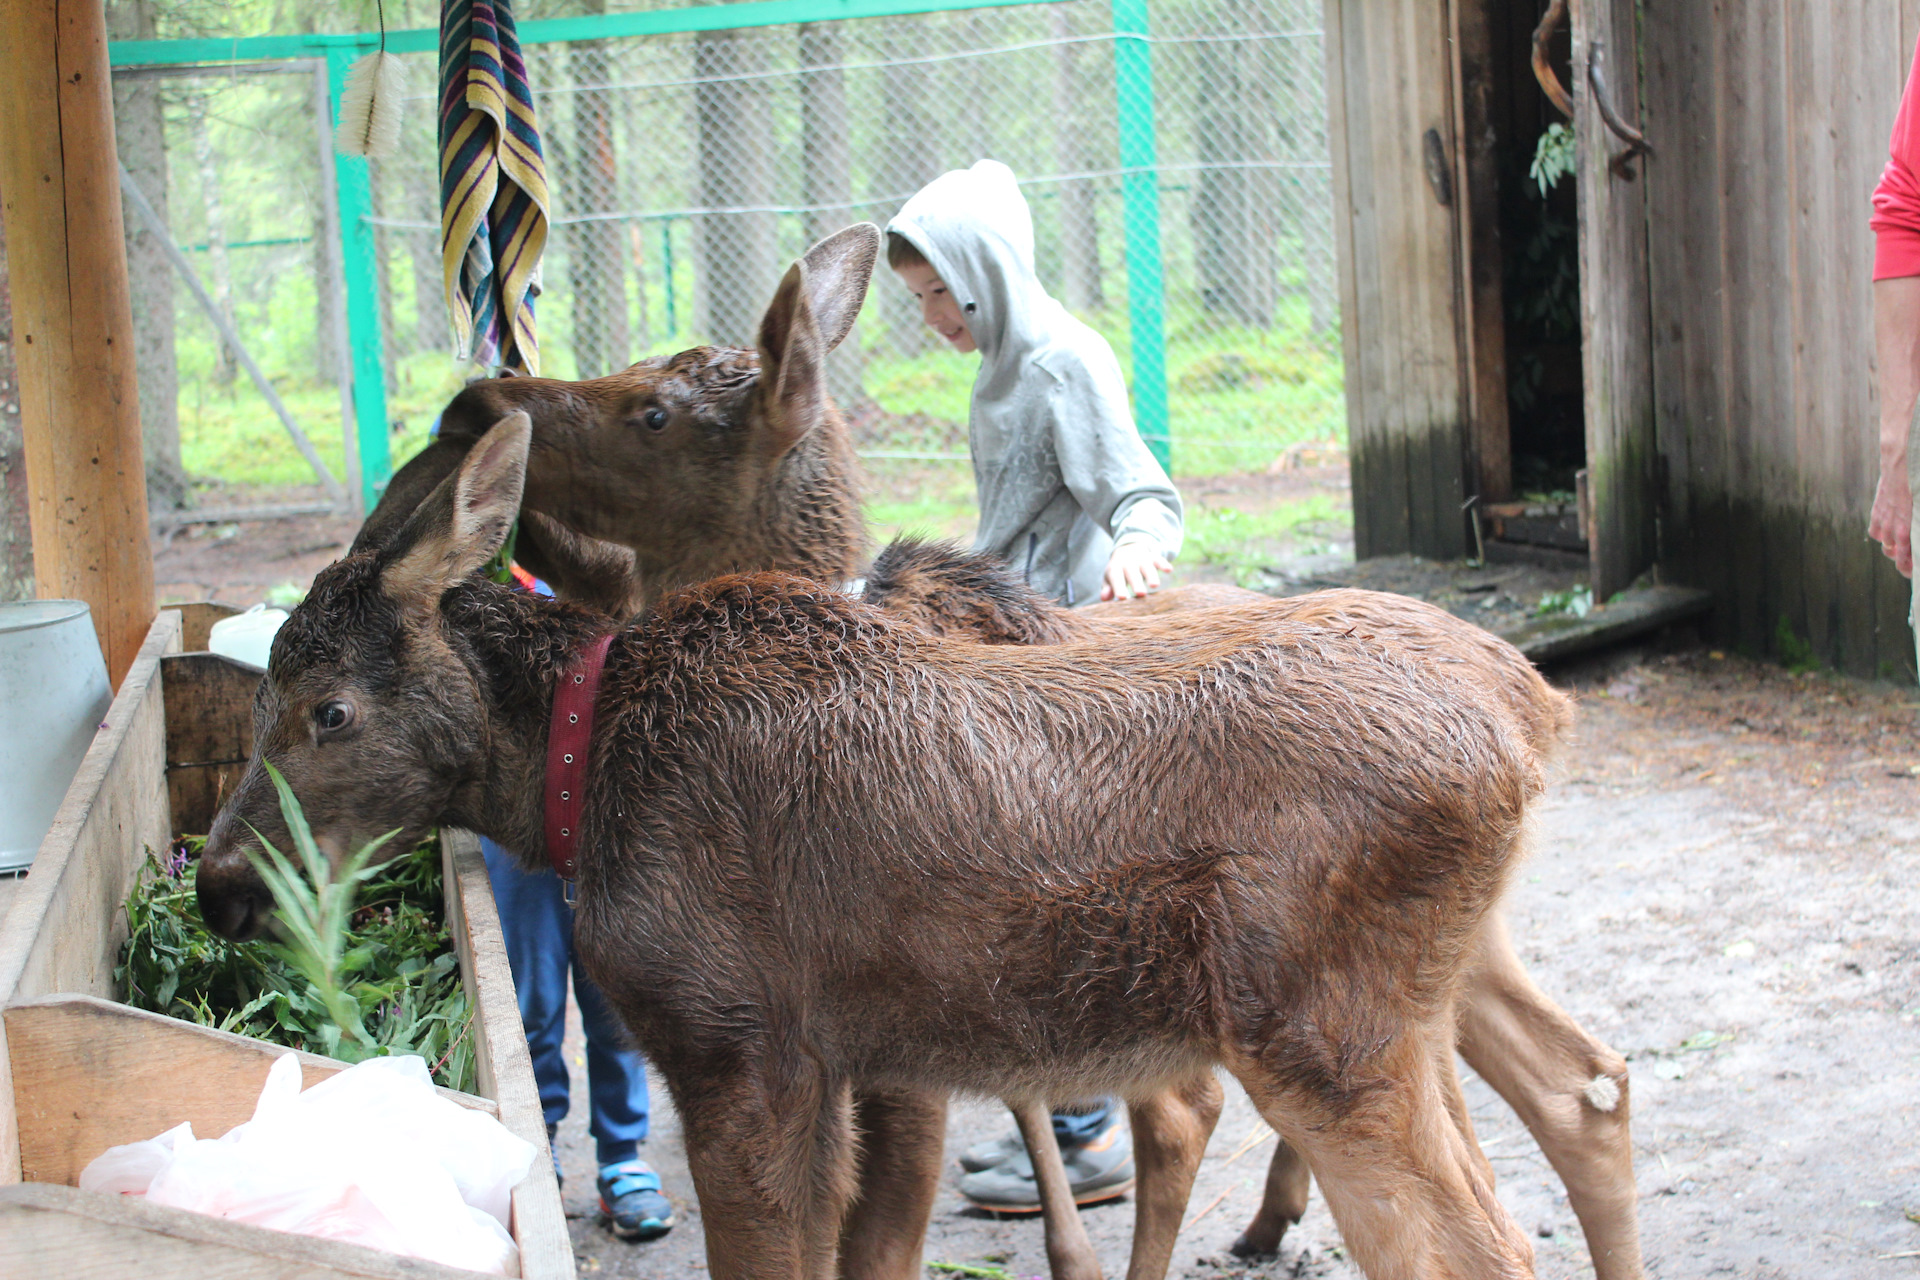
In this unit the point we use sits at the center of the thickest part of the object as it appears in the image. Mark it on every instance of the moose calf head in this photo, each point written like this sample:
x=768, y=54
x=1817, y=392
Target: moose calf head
x=377, y=714
x=681, y=457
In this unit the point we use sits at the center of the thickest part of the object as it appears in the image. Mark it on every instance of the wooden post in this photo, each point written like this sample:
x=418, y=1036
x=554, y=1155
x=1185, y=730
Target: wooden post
x=73, y=322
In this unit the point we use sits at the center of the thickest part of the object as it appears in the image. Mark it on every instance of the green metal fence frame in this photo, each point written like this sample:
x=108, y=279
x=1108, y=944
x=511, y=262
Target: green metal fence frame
x=353, y=192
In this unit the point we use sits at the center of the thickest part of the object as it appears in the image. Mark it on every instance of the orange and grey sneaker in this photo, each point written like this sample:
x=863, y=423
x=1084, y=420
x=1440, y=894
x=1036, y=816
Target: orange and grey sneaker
x=1097, y=1170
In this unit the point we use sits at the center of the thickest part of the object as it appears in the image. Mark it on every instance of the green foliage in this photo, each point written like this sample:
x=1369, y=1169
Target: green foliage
x=396, y=968
x=1553, y=158
x=316, y=917
x=1574, y=601
x=1796, y=655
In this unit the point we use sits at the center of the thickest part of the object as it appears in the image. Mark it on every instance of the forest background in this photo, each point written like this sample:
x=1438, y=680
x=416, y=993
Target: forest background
x=686, y=170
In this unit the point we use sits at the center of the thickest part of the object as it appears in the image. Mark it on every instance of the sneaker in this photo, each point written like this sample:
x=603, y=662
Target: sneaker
x=994, y=1153
x=631, y=1203
x=553, y=1149
x=1096, y=1171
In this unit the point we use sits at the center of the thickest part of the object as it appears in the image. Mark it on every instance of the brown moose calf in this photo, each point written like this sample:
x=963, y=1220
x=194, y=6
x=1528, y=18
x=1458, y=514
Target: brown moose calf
x=822, y=850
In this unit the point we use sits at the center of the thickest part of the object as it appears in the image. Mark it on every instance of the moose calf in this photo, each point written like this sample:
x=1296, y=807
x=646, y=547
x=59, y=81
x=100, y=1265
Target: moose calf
x=822, y=850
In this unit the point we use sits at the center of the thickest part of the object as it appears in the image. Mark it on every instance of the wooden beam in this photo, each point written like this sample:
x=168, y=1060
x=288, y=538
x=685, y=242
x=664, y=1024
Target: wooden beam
x=73, y=321
x=1489, y=433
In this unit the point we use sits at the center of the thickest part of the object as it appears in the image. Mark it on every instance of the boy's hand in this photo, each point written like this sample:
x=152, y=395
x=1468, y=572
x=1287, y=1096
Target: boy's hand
x=1133, y=569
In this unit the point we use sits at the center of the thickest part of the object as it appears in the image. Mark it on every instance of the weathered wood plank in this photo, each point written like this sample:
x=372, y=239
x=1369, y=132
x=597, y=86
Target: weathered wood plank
x=1615, y=340
x=197, y=619
x=1390, y=84
x=209, y=733
x=67, y=275
x=81, y=1235
x=91, y=1074
x=1631, y=613
x=64, y=930
x=1475, y=111
x=500, y=1050
x=1772, y=122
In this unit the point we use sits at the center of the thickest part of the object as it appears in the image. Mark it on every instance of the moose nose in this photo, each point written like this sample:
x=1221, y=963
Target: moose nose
x=234, y=903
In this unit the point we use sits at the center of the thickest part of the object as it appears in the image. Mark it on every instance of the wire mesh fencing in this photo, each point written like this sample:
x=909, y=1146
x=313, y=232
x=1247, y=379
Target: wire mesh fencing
x=688, y=169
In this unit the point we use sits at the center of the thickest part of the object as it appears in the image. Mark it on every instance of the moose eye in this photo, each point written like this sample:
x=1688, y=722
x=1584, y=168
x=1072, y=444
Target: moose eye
x=655, y=418
x=333, y=716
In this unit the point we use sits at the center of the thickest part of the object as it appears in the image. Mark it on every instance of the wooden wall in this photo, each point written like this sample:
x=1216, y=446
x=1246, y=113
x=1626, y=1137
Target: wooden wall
x=1389, y=82
x=1771, y=120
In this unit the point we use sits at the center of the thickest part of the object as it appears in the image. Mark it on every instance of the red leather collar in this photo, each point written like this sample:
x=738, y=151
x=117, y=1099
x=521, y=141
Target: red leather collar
x=569, y=742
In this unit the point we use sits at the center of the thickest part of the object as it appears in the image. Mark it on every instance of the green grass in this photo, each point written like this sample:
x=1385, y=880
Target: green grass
x=1244, y=543
x=1236, y=397
x=930, y=500
x=230, y=434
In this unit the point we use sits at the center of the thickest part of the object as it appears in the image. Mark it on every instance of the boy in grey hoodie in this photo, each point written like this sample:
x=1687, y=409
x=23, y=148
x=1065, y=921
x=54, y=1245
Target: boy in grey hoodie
x=1069, y=494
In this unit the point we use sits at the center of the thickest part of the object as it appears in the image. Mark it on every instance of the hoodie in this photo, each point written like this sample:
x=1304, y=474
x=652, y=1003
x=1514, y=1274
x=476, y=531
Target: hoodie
x=1062, y=474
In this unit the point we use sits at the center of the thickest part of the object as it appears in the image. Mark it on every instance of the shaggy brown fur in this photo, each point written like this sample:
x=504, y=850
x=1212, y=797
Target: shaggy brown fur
x=1329, y=827
x=1528, y=1049
x=1523, y=1044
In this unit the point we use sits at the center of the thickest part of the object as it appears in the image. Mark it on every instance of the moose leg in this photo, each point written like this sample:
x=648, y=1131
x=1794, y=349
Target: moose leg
x=1070, y=1254
x=1170, y=1132
x=1411, y=1199
x=1283, y=1204
x=772, y=1163
x=902, y=1138
x=1568, y=1088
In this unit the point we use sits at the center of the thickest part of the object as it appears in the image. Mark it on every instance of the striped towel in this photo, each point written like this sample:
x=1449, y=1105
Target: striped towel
x=493, y=186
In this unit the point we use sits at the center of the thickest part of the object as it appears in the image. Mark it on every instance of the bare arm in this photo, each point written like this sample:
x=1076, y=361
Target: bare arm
x=1896, y=331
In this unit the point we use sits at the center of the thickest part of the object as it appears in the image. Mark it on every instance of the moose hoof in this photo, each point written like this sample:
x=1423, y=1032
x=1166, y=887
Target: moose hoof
x=1254, y=1248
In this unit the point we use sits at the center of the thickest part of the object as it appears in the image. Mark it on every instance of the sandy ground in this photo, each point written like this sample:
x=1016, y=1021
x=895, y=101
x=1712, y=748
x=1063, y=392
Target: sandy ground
x=1723, y=891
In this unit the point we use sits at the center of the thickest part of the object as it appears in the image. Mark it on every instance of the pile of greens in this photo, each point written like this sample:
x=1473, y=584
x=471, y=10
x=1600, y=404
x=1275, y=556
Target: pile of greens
x=363, y=965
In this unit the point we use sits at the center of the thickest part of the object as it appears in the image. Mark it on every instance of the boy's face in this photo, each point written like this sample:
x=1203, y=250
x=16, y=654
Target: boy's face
x=937, y=306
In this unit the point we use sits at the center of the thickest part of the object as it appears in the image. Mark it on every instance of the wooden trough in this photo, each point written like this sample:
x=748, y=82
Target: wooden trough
x=80, y=1072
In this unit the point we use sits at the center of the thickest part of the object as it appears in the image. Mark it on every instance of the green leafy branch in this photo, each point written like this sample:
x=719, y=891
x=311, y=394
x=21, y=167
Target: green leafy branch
x=318, y=916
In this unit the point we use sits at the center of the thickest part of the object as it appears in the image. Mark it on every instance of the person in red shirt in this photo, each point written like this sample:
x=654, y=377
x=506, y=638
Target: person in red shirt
x=1896, y=329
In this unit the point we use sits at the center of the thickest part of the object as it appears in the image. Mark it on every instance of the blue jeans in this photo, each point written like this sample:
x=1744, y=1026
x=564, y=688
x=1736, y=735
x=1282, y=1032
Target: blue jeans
x=1070, y=1130
x=538, y=925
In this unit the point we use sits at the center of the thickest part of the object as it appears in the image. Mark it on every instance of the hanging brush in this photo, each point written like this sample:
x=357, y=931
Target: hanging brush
x=370, y=103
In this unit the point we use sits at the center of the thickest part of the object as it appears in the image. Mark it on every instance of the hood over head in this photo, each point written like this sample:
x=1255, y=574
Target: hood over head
x=974, y=229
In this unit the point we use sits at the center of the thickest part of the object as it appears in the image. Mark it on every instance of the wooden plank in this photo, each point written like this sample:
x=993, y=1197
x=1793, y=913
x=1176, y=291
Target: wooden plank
x=1390, y=83
x=1631, y=613
x=65, y=927
x=1438, y=455
x=500, y=1051
x=91, y=1074
x=73, y=320
x=1347, y=264
x=1489, y=433
x=1616, y=352
x=82, y=1235
x=209, y=700
x=197, y=619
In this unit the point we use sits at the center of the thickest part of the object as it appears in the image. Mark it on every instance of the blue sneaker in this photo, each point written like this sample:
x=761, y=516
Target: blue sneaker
x=631, y=1202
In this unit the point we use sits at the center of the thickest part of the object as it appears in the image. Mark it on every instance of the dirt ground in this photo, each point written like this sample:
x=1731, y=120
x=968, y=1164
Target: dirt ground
x=1723, y=890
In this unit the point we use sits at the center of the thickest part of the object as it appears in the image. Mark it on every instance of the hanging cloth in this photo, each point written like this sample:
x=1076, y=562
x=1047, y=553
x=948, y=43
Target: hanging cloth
x=493, y=186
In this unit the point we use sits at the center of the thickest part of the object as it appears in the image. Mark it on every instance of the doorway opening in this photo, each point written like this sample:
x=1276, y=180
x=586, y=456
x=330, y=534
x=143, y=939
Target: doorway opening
x=1538, y=516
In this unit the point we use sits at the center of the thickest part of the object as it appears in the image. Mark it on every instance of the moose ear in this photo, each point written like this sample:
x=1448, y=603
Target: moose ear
x=839, y=269
x=793, y=375
x=409, y=487
x=464, y=521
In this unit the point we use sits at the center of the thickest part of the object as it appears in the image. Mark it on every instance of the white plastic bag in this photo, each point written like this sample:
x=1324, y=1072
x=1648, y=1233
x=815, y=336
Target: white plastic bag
x=373, y=1155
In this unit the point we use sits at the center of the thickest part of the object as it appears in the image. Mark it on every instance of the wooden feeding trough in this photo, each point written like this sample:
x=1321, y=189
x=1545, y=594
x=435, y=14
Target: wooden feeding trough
x=80, y=1072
